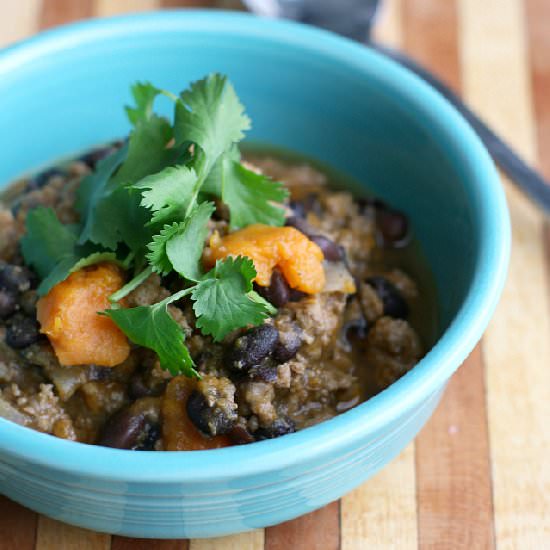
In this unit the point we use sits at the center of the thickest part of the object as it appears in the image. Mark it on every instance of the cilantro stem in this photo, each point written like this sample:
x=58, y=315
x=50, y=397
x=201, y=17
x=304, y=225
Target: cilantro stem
x=202, y=169
x=170, y=95
x=127, y=262
x=177, y=296
x=130, y=285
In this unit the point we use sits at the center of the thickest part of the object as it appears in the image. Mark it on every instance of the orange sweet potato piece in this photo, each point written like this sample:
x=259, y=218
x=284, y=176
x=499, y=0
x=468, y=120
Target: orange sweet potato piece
x=68, y=315
x=298, y=258
x=178, y=432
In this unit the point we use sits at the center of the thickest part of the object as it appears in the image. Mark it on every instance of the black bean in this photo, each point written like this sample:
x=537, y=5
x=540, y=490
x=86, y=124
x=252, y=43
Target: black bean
x=22, y=331
x=239, y=435
x=278, y=291
x=252, y=348
x=15, y=277
x=150, y=437
x=27, y=301
x=281, y=426
x=42, y=178
x=266, y=372
x=8, y=302
x=209, y=420
x=300, y=224
x=298, y=209
x=310, y=203
x=122, y=430
x=331, y=251
x=394, y=227
x=394, y=304
x=285, y=351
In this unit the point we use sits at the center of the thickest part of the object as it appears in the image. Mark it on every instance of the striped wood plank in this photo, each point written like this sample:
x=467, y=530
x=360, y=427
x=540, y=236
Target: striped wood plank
x=538, y=27
x=124, y=543
x=54, y=535
x=17, y=526
x=58, y=12
x=538, y=21
x=538, y=33
x=389, y=24
x=453, y=473
x=188, y=3
x=452, y=452
x=517, y=343
x=253, y=540
x=319, y=530
x=381, y=513
x=105, y=8
x=19, y=19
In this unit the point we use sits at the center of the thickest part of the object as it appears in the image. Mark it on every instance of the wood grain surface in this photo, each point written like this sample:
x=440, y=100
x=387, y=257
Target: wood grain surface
x=477, y=476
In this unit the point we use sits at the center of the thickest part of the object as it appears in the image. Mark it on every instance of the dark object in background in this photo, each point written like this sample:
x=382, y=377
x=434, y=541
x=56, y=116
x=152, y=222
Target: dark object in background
x=351, y=18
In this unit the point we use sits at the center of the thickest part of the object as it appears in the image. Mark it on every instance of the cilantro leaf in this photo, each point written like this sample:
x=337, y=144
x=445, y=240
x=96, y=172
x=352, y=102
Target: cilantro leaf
x=91, y=192
x=144, y=94
x=158, y=259
x=210, y=115
x=110, y=210
x=148, y=150
x=179, y=246
x=154, y=328
x=222, y=300
x=250, y=196
x=46, y=241
x=50, y=247
x=167, y=193
x=96, y=258
x=213, y=182
x=58, y=274
x=184, y=249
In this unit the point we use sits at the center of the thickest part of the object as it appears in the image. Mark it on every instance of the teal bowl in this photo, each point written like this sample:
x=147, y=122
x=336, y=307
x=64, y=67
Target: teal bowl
x=308, y=91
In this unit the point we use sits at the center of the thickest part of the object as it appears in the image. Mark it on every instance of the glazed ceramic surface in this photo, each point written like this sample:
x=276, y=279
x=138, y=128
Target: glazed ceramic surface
x=319, y=95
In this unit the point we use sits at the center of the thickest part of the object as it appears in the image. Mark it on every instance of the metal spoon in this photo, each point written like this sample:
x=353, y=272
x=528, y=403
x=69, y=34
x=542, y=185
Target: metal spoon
x=354, y=19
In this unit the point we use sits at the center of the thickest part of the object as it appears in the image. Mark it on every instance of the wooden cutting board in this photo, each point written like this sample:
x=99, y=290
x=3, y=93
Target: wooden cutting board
x=478, y=474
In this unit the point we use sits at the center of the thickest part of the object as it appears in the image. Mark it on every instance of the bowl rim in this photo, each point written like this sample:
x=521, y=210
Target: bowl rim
x=485, y=194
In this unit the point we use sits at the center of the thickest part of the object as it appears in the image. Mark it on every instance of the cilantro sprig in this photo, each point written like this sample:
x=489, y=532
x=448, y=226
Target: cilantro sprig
x=148, y=205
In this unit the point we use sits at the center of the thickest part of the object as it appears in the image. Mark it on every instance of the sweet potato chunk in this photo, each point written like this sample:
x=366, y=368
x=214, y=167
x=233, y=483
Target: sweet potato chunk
x=68, y=315
x=178, y=432
x=298, y=258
